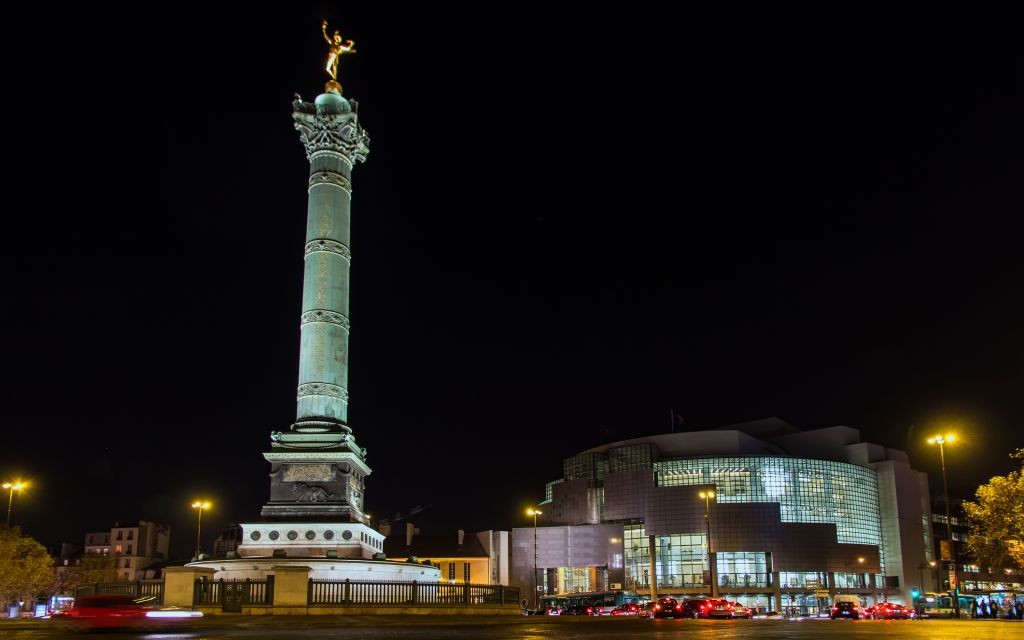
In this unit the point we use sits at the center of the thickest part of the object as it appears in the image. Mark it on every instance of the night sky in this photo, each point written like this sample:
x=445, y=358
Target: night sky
x=569, y=224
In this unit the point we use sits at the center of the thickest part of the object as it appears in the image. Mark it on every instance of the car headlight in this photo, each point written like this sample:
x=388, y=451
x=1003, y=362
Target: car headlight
x=174, y=614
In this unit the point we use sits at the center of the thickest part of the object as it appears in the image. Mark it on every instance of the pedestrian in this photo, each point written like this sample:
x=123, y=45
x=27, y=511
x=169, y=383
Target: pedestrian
x=1020, y=609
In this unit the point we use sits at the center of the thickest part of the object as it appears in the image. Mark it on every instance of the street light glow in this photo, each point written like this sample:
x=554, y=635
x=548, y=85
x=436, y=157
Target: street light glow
x=17, y=485
x=942, y=440
x=704, y=495
x=534, y=512
x=201, y=505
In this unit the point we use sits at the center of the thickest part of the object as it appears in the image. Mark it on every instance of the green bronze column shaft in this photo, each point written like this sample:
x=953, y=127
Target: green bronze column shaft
x=334, y=143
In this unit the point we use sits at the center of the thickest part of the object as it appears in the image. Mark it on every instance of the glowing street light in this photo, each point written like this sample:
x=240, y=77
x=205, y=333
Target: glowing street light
x=12, y=486
x=201, y=505
x=534, y=512
x=943, y=440
x=707, y=496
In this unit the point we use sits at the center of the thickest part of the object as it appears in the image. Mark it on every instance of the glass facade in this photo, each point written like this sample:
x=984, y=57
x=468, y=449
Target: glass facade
x=681, y=559
x=806, y=490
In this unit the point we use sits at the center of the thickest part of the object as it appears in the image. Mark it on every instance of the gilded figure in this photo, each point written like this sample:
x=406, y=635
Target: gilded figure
x=338, y=47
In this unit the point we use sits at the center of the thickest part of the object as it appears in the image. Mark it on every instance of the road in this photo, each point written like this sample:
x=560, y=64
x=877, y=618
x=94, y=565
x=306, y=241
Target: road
x=528, y=628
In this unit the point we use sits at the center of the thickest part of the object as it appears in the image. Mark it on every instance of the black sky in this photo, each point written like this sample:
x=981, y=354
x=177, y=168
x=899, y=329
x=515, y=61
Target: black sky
x=569, y=223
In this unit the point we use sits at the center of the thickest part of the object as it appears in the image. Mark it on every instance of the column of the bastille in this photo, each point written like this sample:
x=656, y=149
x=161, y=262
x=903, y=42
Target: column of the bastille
x=334, y=142
x=317, y=469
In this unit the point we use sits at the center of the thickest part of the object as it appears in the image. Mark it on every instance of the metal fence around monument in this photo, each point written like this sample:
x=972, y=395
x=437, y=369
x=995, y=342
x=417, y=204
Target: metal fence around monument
x=232, y=595
x=420, y=594
x=150, y=590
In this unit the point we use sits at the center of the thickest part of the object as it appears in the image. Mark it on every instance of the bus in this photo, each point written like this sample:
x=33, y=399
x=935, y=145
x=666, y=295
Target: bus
x=602, y=601
x=940, y=605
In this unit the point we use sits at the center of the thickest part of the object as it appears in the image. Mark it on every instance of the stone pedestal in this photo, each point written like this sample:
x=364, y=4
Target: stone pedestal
x=290, y=586
x=179, y=583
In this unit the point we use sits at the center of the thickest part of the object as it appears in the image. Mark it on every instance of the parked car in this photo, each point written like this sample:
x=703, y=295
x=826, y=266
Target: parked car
x=109, y=612
x=668, y=608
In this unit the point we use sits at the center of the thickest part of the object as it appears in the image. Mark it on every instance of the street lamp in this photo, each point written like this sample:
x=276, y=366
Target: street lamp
x=199, y=504
x=931, y=563
x=12, y=486
x=926, y=565
x=942, y=441
x=534, y=512
x=707, y=496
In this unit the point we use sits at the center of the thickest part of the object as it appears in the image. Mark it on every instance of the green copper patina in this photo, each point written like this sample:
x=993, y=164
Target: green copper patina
x=317, y=468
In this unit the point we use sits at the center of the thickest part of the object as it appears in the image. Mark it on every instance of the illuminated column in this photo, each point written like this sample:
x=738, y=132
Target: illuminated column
x=334, y=142
x=317, y=469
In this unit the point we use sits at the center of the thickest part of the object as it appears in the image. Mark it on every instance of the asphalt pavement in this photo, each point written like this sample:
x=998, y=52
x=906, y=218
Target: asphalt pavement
x=535, y=628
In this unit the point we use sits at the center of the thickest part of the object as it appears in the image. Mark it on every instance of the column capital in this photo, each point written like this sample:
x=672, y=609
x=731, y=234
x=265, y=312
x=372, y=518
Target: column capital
x=331, y=125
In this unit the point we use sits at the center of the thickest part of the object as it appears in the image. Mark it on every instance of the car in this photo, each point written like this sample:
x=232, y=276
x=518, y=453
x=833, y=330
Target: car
x=627, y=609
x=580, y=610
x=668, y=608
x=846, y=609
x=725, y=609
x=110, y=612
x=743, y=611
x=551, y=610
x=695, y=608
x=646, y=608
x=893, y=611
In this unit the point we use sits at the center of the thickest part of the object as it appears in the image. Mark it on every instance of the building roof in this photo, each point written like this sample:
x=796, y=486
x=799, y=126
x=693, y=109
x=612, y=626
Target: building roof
x=768, y=436
x=434, y=546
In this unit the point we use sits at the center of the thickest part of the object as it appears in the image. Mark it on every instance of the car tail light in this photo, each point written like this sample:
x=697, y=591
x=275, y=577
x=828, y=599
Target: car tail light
x=679, y=607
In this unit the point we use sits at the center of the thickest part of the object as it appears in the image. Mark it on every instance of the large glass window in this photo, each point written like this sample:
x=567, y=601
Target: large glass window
x=803, y=580
x=680, y=559
x=742, y=569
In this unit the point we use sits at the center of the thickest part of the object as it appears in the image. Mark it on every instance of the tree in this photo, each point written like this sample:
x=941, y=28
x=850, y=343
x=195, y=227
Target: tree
x=91, y=568
x=997, y=519
x=26, y=569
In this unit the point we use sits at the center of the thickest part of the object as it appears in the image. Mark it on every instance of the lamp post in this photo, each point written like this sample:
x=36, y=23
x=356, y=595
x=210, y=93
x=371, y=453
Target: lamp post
x=707, y=496
x=201, y=505
x=930, y=565
x=942, y=441
x=534, y=513
x=12, y=486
